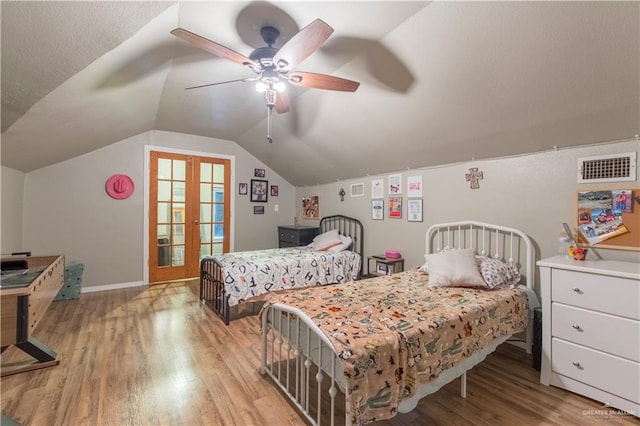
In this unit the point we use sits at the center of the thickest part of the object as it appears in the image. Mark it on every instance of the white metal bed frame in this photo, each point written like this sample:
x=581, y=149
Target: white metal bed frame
x=297, y=355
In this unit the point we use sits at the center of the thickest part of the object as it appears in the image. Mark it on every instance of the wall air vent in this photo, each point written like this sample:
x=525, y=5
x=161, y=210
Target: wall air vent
x=607, y=168
x=357, y=189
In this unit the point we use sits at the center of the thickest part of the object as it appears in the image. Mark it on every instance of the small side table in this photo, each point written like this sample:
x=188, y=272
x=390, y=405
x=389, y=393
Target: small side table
x=384, y=265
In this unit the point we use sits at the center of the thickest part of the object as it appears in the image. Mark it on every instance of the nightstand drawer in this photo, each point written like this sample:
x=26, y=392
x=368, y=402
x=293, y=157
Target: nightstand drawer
x=606, y=372
x=608, y=333
x=618, y=296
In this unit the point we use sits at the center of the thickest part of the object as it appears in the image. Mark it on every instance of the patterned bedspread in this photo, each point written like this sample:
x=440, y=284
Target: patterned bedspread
x=394, y=332
x=252, y=273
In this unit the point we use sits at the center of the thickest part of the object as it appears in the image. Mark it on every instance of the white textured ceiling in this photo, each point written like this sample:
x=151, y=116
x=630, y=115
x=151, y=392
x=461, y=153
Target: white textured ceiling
x=442, y=82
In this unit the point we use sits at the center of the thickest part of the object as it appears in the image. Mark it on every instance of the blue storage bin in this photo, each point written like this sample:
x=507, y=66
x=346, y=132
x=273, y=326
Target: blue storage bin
x=72, y=282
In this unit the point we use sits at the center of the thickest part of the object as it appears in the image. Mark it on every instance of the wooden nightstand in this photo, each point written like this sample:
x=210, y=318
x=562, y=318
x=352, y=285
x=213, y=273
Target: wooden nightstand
x=384, y=265
x=293, y=236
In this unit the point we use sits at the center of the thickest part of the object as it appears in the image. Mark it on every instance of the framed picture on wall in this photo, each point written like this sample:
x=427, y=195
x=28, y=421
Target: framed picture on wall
x=311, y=207
x=395, y=207
x=258, y=209
x=243, y=188
x=377, y=209
x=259, y=190
x=414, y=210
x=258, y=173
x=274, y=190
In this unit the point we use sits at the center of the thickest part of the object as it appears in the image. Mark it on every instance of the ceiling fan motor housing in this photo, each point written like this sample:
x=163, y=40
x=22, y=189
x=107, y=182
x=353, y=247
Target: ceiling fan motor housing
x=264, y=55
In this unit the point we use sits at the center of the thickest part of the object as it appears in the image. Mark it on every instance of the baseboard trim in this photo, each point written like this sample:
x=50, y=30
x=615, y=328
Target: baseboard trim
x=108, y=287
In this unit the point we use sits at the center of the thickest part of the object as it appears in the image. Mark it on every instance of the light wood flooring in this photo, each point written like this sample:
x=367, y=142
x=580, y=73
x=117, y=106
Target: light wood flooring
x=157, y=356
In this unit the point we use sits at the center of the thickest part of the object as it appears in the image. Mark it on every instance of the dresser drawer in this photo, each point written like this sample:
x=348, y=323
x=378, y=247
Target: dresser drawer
x=607, y=333
x=288, y=235
x=291, y=236
x=606, y=372
x=612, y=295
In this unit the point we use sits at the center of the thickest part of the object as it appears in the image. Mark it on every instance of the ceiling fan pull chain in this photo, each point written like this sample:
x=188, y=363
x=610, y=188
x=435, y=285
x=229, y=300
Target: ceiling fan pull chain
x=269, y=108
x=270, y=96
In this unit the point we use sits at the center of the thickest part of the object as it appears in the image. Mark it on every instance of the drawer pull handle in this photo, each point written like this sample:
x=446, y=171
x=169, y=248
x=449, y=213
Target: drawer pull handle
x=577, y=364
x=577, y=327
x=577, y=290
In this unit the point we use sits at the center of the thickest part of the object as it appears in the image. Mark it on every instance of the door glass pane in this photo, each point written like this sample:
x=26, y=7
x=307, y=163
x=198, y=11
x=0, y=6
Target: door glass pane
x=205, y=232
x=205, y=250
x=178, y=256
x=164, y=168
x=178, y=169
x=178, y=191
x=217, y=248
x=218, y=193
x=205, y=213
x=205, y=192
x=218, y=173
x=163, y=246
x=163, y=234
x=218, y=232
x=218, y=213
x=178, y=212
x=164, y=215
x=178, y=234
x=164, y=191
x=205, y=172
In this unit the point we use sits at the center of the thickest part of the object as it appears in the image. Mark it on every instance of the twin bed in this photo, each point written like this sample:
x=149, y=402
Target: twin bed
x=233, y=279
x=375, y=347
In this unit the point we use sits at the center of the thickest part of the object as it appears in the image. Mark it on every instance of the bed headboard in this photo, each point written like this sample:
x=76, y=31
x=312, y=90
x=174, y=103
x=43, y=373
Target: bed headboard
x=346, y=226
x=499, y=242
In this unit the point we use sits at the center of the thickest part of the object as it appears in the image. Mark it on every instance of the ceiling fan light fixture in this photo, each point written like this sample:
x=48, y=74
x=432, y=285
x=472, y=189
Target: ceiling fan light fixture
x=261, y=87
x=280, y=86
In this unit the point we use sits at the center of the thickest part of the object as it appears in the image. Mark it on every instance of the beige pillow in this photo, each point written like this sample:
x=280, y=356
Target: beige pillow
x=326, y=240
x=454, y=268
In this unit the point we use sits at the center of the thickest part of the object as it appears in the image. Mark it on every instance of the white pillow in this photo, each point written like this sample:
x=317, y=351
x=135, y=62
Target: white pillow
x=326, y=240
x=345, y=244
x=454, y=268
x=425, y=267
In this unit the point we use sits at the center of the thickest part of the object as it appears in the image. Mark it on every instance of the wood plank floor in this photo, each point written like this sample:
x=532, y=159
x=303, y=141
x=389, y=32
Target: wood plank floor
x=157, y=356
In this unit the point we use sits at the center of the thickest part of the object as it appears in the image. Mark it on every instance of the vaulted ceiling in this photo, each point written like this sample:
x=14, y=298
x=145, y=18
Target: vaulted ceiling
x=441, y=82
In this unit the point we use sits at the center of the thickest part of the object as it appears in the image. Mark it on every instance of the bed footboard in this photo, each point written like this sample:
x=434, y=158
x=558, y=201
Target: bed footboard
x=212, y=288
x=302, y=363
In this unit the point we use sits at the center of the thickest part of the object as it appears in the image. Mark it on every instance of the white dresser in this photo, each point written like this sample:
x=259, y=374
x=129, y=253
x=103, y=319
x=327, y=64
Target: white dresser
x=591, y=329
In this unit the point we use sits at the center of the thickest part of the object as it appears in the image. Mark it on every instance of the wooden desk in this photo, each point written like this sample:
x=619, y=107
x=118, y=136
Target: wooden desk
x=24, y=299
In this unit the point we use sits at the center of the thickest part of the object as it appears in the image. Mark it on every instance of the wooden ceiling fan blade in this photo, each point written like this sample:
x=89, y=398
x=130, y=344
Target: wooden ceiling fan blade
x=219, y=83
x=323, y=81
x=282, y=103
x=301, y=45
x=213, y=47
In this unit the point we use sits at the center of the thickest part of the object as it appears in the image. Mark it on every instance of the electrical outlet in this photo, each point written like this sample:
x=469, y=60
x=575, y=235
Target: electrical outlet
x=276, y=207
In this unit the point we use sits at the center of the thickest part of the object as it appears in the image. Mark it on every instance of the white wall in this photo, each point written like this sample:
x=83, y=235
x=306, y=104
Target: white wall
x=66, y=208
x=11, y=210
x=534, y=193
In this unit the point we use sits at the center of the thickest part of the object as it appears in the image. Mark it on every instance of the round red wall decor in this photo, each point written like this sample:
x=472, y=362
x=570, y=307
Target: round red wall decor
x=119, y=187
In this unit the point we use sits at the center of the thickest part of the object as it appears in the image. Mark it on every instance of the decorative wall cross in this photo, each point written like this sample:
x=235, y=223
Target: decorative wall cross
x=474, y=175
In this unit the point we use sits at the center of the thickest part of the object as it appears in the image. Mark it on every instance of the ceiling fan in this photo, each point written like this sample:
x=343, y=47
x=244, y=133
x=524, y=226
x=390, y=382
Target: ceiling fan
x=273, y=67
